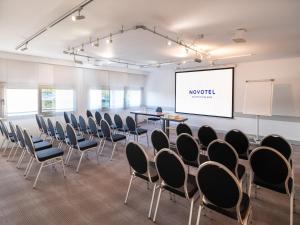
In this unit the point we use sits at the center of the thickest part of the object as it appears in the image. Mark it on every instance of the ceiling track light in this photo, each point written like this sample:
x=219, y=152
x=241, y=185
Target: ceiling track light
x=109, y=41
x=79, y=16
x=24, y=48
x=95, y=43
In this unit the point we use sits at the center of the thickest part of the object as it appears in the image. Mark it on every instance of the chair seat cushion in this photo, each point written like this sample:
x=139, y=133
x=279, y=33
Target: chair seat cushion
x=241, y=171
x=191, y=187
x=42, y=145
x=49, y=153
x=243, y=156
x=116, y=137
x=139, y=131
x=231, y=212
x=36, y=139
x=275, y=187
x=152, y=171
x=123, y=129
x=86, y=144
x=153, y=118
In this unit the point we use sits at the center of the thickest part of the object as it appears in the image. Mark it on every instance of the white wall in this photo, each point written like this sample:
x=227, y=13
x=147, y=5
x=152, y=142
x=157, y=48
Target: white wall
x=160, y=91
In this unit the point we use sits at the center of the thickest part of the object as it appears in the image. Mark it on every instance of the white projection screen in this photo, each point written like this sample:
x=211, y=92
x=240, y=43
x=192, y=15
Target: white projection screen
x=205, y=92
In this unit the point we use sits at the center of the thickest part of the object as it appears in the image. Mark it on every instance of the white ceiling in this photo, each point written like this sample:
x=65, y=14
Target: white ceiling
x=273, y=28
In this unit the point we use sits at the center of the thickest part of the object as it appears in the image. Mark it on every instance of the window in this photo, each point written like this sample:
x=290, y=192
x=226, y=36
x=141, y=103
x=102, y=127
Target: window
x=99, y=99
x=116, y=99
x=21, y=101
x=55, y=100
x=134, y=98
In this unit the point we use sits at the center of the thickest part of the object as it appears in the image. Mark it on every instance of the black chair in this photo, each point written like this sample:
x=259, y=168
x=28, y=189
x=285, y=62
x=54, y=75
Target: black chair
x=98, y=117
x=95, y=132
x=222, y=192
x=206, y=135
x=222, y=152
x=109, y=121
x=271, y=169
x=44, y=127
x=38, y=121
x=15, y=138
x=174, y=178
x=82, y=146
x=83, y=126
x=52, y=130
x=67, y=118
x=159, y=140
x=9, y=139
x=111, y=137
x=239, y=141
x=119, y=124
x=183, y=128
x=46, y=157
x=280, y=144
x=74, y=122
x=89, y=114
x=142, y=167
x=133, y=129
x=155, y=119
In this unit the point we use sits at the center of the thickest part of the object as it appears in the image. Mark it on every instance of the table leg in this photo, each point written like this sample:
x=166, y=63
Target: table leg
x=136, y=118
x=163, y=126
x=167, y=128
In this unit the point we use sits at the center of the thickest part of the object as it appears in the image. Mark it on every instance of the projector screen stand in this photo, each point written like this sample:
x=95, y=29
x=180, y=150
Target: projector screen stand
x=257, y=140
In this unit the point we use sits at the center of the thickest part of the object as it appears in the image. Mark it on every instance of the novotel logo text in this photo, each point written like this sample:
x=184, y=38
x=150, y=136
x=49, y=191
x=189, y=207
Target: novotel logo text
x=202, y=92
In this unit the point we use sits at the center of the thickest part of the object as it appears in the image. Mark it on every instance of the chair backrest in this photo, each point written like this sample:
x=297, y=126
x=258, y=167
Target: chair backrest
x=89, y=114
x=158, y=109
x=82, y=124
x=28, y=142
x=13, y=130
x=20, y=136
x=183, y=128
x=222, y=152
x=279, y=143
x=187, y=147
x=93, y=126
x=2, y=133
x=137, y=157
x=218, y=185
x=170, y=168
x=105, y=128
x=37, y=118
x=44, y=125
x=130, y=123
x=238, y=140
x=270, y=166
x=4, y=128
x=67, y=118
x=118, y=121
x=159, y=140
x=51, y=128
x=74, y=121
x=71, y=135
x=108, y=119
x=98, y=117
x=60, y=131
x=206, y=135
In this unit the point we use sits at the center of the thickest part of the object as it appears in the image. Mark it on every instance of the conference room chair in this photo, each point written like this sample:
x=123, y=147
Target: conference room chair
x=38, y=121
x=45, y=157
x=109, y=121
x=189, y=150
x=52, y=131
x=82, y=147
x=206, y=135
x=222, y=152
x=120, y=125
x=67, y=118
x=98, y=118
x=15, y=140
x=44, y=128
x=155, y=119
x=108, y=135
x=159, y=140
x=183, y=128
x=141, y=167
x=83, y=126
x=280, y=144
x=74, y=123
x=223, y=194
x=239, y=141
x=134, y=130
x=3, y=136
x=89, y=114
x=174, y=177
x=271, y=170
x=9, y=139
x=95, y=132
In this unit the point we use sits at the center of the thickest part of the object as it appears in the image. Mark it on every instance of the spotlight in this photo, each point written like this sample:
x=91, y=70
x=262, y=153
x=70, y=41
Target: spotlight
x=96, y=44
x=81, y=49
x=169, y=43
x=197, y=60
x=24, y=47
x=79, y=16
x=77, y=61
x=109, y=41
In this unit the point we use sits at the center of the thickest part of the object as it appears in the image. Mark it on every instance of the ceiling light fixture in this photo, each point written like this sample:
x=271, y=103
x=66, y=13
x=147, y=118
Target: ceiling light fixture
x=109, y=41
x=95, y=43
x=239, y=35
x=169, y=43
x=81, y=49
x=79, y=16
x=24, y=47
x=77, y=61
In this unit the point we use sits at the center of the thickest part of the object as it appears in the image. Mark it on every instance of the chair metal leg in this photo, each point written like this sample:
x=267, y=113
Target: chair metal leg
x=129, y=186
x=112, y=153
x=157, y=203
x=292, y=208
x=27, y=167
x=37, y=176
x=147, y=139
x=102, y=147
x=5, y=148
x=4, y=140
x=152, y=199
x=77, y=169
x=11, y=150
x=199, y=214
x=191, y=211
x=15, y=153
x=63, y=166
x=21, y=159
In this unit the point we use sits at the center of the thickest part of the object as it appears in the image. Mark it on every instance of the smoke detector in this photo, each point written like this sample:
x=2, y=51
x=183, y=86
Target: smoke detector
x=239, y=35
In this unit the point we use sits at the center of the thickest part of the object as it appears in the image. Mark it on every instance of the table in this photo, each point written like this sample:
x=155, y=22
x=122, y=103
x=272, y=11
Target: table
x=166, y=122
x=145, y=113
